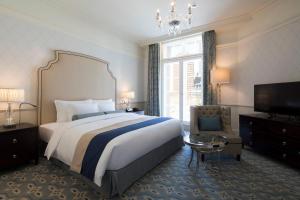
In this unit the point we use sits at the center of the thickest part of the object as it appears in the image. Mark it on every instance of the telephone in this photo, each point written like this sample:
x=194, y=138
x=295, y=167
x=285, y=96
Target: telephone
x=132, y=109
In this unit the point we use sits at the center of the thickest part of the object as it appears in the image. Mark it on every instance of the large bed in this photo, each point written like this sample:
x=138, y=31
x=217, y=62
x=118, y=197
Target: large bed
x=126, y=157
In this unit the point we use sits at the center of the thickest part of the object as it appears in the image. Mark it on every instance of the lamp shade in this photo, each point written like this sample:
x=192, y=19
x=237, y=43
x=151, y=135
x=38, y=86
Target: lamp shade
x=220, y=76
x=11, y=95
x=129, y=95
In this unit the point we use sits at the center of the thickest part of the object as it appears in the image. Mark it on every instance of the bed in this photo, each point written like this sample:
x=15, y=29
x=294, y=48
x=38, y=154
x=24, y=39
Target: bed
x=140, y=142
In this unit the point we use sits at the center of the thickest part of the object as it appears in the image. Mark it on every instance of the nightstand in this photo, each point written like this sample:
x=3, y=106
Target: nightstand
x=18, y=145
x=139, y=112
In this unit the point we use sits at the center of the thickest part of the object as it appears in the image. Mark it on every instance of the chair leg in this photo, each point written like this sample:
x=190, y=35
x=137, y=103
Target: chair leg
x=192, y=156
x=238, y=157
x=202, y=157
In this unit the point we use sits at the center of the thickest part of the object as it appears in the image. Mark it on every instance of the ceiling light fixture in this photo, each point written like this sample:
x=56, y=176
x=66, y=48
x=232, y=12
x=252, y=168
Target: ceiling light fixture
x=175, y=21
x=194, y=4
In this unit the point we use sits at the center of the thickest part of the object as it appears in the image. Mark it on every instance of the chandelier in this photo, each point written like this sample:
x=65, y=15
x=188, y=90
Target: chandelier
x=175, y=21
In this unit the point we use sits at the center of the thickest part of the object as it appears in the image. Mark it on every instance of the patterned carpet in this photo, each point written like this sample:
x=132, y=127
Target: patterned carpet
x=255, y=177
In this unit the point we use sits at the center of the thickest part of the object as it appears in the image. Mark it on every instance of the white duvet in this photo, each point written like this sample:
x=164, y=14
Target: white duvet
x=120, y=151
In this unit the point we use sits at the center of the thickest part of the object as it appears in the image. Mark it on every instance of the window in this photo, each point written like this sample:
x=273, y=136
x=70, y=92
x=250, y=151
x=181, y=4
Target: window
x=181, y=77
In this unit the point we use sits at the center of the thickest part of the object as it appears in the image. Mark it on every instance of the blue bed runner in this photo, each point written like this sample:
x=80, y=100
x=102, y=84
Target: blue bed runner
x=99, y=142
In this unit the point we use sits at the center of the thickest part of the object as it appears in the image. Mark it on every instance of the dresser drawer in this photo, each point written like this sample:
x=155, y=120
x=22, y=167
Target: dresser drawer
x=279, y=129
x=293, y=146
x=294, y=132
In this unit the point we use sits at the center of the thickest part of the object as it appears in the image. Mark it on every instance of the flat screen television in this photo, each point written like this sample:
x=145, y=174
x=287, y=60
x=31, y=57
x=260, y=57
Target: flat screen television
x=278, y=98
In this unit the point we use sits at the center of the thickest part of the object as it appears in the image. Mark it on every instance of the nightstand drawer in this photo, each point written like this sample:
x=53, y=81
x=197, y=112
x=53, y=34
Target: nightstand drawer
x=18, y=140
x=18, y=145
x=8, y=159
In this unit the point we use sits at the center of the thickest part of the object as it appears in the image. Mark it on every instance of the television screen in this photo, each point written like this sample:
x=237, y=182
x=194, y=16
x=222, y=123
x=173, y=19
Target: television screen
x=278, y=98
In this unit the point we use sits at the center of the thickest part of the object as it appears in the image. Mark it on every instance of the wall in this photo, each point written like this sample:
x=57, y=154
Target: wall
x=27, y=44
x=267, y=51
x=263, y=49
x=227, y=57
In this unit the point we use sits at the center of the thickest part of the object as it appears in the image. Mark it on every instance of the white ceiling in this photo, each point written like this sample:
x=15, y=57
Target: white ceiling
x=133, y=19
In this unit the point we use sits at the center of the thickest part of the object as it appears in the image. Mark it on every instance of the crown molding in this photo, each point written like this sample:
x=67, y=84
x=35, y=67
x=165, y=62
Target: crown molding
x=227, y=45
x=271, y=29
x=263, y=7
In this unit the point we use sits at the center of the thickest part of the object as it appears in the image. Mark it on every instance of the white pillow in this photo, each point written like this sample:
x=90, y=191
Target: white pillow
x=105, y=105
x=81, y=108
x=62, y=108
x=102, y=100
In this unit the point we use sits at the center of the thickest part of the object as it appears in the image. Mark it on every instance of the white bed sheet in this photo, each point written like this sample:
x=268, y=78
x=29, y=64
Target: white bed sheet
x=46, y=131
x=120, y=151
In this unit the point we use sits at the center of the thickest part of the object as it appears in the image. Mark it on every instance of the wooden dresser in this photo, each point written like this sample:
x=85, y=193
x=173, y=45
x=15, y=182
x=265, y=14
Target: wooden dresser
x=18, y=145
x=274, y=137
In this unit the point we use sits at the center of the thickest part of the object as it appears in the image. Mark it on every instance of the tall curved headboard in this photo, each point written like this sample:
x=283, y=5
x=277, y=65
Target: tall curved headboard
x=73, y=76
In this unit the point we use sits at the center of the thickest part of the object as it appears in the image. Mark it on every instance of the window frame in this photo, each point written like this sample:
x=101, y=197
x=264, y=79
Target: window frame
x=180, y=60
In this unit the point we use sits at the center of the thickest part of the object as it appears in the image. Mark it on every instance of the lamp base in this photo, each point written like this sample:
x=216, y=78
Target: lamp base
x=10, y=123
x=9, y=126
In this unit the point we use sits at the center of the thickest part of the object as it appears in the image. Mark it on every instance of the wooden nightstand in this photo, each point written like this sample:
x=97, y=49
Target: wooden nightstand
x=18, y=145
x=139, y=112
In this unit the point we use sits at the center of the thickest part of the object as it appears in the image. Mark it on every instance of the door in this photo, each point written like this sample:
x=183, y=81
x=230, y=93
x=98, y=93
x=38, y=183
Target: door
x=182, y=87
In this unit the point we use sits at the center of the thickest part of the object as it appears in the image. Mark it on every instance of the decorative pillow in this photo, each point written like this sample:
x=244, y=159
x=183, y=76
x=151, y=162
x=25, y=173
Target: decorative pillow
x=63, y=106
x=81, y=108
x=210, y=123
x=116, y=111
x=82, y=116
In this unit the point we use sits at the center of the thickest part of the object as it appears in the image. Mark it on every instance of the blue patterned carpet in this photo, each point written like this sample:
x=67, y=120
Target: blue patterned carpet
x=255, y=177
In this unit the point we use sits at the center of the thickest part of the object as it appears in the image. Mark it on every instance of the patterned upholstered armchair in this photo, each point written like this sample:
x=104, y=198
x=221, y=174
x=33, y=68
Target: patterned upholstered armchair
x=235, y=144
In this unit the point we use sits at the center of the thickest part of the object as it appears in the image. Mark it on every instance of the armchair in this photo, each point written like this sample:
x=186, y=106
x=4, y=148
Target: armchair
x=234, y=146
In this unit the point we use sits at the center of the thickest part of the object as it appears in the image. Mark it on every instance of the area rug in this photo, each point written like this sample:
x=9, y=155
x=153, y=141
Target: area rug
x=255, y=177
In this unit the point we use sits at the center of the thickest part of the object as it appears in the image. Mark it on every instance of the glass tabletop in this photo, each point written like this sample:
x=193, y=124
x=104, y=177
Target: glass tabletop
x=206, y=142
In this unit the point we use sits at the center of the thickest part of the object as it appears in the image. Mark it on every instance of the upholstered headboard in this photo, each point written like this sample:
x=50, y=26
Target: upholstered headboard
x=73, y=76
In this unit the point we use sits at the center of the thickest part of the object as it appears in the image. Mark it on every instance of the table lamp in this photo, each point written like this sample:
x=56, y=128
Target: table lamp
x=127, y=96
x=11, y=96
x=220, y=76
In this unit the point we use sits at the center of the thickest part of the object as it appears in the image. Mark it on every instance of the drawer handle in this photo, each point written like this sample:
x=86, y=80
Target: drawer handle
x=14, y=156
x=14, y=141
x=283, y=130
x=299, y=153
x=283, y=143
x=250, y=133
x=250, y=123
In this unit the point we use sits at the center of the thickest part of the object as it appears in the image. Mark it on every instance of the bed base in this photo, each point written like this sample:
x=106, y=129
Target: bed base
x=116, y=182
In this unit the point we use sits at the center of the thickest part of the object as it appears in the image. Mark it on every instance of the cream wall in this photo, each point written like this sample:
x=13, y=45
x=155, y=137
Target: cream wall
x=27, y=43
x=267, y=51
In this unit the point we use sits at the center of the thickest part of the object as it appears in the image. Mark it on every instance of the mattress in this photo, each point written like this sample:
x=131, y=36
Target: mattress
x=120, y=151
x=46, y=131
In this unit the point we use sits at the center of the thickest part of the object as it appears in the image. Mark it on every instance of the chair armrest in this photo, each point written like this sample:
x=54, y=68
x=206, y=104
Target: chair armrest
x=194, y=129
